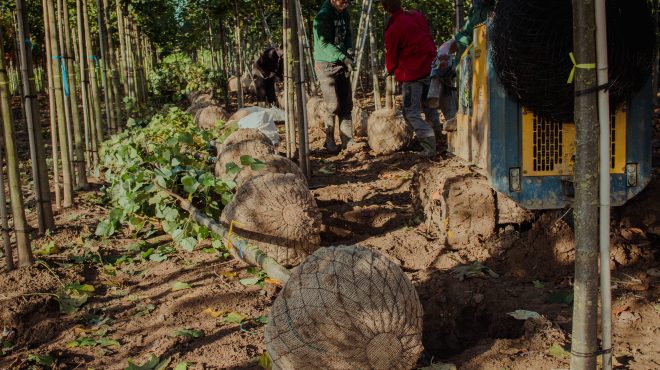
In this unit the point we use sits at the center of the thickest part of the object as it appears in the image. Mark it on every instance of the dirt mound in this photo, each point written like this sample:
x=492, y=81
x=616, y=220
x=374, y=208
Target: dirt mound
x=388, y=131
x=277, y=213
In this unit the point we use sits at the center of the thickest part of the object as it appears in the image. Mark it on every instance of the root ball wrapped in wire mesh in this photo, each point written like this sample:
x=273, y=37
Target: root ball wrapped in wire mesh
x=346, y=307
x=530, y=44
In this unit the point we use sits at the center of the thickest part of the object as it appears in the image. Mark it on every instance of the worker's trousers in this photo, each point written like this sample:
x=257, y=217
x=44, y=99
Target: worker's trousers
x=414, y=102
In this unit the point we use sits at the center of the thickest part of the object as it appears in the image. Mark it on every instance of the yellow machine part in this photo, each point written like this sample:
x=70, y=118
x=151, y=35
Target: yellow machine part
x=548, y=147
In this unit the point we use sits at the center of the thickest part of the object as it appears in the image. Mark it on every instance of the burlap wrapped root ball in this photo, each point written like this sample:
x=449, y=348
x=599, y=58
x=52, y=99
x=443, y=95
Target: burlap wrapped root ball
x=277, y=213
x=246, y=134
x=316, y=112
x=388, y=131
x=272, y=164
x=360, y=122
x=345, y=307
x=246, y=80
x=207, y=117
x=233, y=153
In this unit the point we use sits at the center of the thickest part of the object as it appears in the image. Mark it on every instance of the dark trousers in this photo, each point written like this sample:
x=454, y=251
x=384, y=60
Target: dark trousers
x=264, y=88
x=336, y=87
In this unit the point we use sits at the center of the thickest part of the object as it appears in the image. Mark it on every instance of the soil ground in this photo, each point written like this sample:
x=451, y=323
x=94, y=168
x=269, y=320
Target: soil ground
x=365, y=200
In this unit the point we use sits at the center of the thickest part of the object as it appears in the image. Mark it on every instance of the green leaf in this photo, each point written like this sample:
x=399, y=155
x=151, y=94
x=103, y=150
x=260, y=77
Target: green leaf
x=188, y=333
x=157, y=257
x=44, y=360
x=190, y=184
x=263, y=320
x=557, y=350
x=181, y=366
x=247, y=160
x=538, y=284
x=265, y=362
x=250, y=281
x=170, y=214
x=232, y=168
x=180, y=285
x=105, y=228
x=524, y=315
x=151, y=364
x=108, y=342
x=234, y=318
x=71, y=303
x=257, y=166
x=80, y=288
x=188, y=244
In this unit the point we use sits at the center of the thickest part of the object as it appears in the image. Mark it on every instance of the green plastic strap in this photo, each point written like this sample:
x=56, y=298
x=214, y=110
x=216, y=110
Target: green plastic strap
x=581, y=66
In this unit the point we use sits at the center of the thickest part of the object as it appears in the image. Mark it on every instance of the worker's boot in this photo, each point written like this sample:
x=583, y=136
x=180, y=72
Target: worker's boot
x=346, y=132
x=330, y=145
x=428, y=146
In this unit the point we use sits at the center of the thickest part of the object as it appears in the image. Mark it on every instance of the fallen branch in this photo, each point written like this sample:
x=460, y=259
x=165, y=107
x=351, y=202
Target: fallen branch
x=237, y=246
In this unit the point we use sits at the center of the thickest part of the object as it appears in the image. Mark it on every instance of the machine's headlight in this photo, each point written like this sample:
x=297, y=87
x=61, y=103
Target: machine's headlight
x=514, y=179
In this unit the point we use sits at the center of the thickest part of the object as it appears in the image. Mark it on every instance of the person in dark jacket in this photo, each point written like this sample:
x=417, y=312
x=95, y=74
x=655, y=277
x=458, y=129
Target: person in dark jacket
x=266, y=71
x=409, y=53
x=334, y=61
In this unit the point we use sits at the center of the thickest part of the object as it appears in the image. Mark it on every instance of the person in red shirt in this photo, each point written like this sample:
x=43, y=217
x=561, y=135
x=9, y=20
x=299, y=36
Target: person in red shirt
x=409, y=53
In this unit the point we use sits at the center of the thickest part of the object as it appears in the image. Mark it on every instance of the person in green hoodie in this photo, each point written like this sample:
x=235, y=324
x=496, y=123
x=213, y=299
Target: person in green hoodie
x=333, y=57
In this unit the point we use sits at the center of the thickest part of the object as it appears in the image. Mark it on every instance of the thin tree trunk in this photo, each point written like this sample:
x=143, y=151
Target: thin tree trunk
x=289, y=89
x=6, y=239
x=52, y=106
x=113, y=69
x=389, y=98
x=142, y=85
x=21, y=226
x=239, y=69
x=374, y=68
x=32, y=114
x=584, y=344
x=122, y=46
x=96, y=131
x=297, y=52
x=67, y=187
x=109, y=113
x=78, y=145
x=84, y=84
x=67, y=85
x=460, y=15
x=130, y=62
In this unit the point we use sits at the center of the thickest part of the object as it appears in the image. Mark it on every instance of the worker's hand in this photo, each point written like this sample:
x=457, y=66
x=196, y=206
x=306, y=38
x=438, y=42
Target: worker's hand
x=349, y=64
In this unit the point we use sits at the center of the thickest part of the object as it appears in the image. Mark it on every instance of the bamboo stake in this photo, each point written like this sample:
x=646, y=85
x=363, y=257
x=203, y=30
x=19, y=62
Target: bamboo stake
x=35, y=136
x=299, y=75
x=361, y=42
x=52, y=107
x=78, y=145
x=21, y=226
x=289, y=88
x=67, y=187
x=584, y=345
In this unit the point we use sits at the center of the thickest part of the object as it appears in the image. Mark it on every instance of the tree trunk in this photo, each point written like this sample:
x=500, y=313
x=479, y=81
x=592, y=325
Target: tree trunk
x=67, y=186
x=84, y=84
x=298, y=67
x=374, y=68
x=21, y=226
x=103, y=62
x=78, y=145
x=460, y=15
x=122, y=46
x=289, y=89
x=584, y=346
x=32, y=114
x=239, y=69
x=114, y=73
x=52, y=108
x=96, y=130
x=67, y=86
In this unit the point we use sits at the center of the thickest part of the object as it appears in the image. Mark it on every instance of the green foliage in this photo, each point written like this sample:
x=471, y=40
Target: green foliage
x=178, y=75
x=170, y=152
